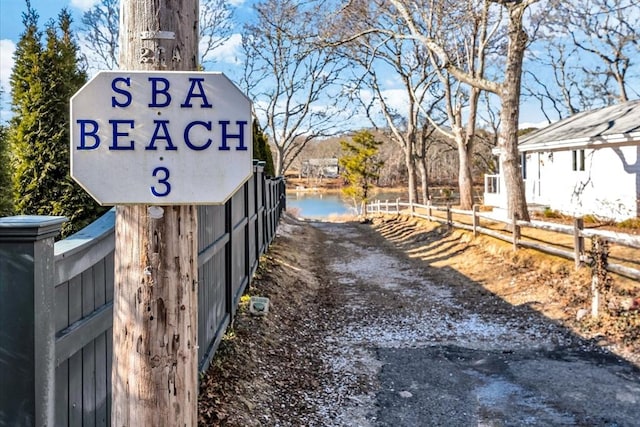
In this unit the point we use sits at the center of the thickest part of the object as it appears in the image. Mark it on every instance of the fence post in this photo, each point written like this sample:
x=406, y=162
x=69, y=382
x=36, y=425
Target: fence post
x=578, y=241
x=412, y=208
x=27, y=320
x=475, y=220
x=595, y=276
x=516, y=232
x=228, y=257
x=283, y=195
x=429, y=210
x=247, y=233
x=398, y=205
x=449, y=216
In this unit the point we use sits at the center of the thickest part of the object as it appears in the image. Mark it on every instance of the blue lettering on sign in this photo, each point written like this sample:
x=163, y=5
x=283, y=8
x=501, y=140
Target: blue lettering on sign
x=157, y=90
x=196, y=82
x=85, y=132
x=126, y=93
x=162, y=174
x=121, y=129
x=240, y=135
x=117, y=134
x=187, y=139
x=161, y=124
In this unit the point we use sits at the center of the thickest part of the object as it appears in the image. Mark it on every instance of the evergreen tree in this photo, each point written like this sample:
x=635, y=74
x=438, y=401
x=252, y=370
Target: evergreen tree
x=43, y=80
x=261, y=150
x=6, y=201
x=360, y=167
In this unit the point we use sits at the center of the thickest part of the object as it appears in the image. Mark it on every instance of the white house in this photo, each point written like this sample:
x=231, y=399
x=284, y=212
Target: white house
x=586, y=164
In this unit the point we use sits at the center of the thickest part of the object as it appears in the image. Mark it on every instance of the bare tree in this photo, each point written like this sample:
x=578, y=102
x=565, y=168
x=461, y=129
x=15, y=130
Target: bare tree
x=463, y=29
x=466, y=30
x=100, y=29
x=289, y=74
x=381, y=58
x=508, y=89
x=591, y=47
x=216, y=27
x=100, y=26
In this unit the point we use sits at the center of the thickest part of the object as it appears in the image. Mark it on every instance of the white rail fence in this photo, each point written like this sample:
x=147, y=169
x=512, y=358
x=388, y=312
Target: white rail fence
x=514, y=231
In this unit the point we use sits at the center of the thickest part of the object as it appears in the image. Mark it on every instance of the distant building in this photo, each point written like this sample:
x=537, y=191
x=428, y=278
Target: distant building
x=320, y=168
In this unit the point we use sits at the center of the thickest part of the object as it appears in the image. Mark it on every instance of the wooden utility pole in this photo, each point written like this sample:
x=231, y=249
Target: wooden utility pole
x=154, y=377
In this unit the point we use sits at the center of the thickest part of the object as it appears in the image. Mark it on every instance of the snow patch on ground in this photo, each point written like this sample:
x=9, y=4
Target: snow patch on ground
x=406, y=330
x=375, y=268
x=425, y=319
x=287, y=229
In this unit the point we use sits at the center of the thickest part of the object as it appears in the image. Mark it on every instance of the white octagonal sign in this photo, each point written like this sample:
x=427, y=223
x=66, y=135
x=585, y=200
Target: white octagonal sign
x=161, y=138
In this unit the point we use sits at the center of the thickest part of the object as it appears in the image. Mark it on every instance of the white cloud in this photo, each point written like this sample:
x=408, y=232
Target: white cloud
x=397, y=100
x=7, y=48
x=229, y=52
x=83, y=5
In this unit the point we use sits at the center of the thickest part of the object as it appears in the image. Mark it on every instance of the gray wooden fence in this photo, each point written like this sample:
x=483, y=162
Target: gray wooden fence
x=56, y=302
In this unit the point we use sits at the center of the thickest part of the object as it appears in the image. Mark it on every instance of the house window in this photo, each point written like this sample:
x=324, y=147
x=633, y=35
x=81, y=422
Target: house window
x=578, y=160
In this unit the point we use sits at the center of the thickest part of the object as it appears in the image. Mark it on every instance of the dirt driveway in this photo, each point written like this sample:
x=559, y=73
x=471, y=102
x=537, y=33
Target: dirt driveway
x=371, y=325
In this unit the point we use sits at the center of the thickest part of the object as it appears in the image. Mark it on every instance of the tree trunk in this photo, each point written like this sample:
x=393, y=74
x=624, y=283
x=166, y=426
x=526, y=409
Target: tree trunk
x=465, y=178
x=155, y=356
x=510, y=99
x=424, y=179
x=411, y=172
x=278, y=162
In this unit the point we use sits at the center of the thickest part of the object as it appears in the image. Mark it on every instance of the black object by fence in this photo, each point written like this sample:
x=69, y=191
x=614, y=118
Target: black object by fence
x=56, y=302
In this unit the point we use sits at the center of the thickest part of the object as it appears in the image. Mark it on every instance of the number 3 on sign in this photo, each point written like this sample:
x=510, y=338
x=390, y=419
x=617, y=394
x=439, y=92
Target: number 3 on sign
x=162, y=174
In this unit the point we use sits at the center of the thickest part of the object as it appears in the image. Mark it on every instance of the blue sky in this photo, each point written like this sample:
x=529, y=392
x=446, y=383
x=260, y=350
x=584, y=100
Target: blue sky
x=11, y=27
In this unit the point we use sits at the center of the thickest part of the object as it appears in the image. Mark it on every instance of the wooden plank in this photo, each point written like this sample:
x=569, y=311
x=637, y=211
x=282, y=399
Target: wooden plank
x=547, y=249
x=205, y=361
x=101, y=374
x=75, y=299
x=62, y=394
x=75, y=390
x=213, y=249
x=100, y=284
x=88, y=353
x=219, y=288
x=631, y=273
x=613, y=237
x=80, y=333
x=61, y=295
x=203, y=308
x=109, y=277
x=238, y=262
x=109, y=345
x=89, y=385
x=539, y=225
x=88, y=293
x=72, y=263
x=202, y=228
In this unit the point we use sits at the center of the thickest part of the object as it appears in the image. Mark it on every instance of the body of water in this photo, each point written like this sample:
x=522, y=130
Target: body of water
x=318, y=205
x=325, y=205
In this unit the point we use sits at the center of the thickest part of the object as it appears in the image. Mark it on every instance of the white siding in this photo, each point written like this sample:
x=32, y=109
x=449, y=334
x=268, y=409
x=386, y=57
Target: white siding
x=608, y=187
